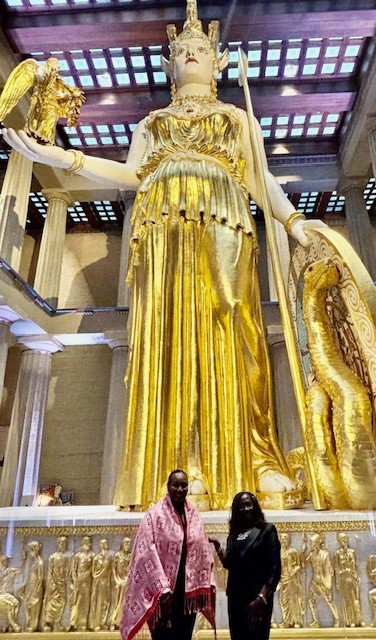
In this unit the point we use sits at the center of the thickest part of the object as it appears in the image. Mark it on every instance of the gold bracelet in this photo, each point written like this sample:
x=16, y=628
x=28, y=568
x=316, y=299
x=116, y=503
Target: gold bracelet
x=294, y=217
x=78, y=161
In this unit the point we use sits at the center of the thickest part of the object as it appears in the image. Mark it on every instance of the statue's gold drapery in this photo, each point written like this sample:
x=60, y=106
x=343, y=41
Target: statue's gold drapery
x=199, y=375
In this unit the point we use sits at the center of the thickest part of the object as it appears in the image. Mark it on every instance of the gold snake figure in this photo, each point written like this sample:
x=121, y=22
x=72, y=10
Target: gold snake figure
x=338, y=407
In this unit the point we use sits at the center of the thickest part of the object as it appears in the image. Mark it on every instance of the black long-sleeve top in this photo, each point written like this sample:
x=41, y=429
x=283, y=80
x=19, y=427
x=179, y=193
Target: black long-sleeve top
x=253, y=563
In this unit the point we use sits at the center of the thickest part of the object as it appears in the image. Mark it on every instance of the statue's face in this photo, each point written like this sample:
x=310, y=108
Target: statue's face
x=285, y=540
x=62, y=544
x=86, y=543
x=193, y=62
x=126, y=544
x=342, y=539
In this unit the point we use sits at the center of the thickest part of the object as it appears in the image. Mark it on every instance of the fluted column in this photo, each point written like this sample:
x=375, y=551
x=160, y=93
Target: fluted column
x=361, y=232
x=14, y=203
x=115, y=427
x=126, y=200
x=284, y=255
x=48, y=272
x=19, y=480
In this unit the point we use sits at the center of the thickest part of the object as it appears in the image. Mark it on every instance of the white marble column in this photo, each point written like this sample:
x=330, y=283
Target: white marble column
x=19, y=480
x=126, y=199
x=115, y=422
x=14, y=203
x=48, y=272
x=284, y=255
x=361, y=232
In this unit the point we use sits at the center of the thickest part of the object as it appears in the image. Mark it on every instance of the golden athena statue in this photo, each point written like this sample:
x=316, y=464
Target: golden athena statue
x=199, y=376
x=51, y=99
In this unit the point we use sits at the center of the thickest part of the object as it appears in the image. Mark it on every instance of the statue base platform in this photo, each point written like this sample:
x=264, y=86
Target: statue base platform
x=22, y=525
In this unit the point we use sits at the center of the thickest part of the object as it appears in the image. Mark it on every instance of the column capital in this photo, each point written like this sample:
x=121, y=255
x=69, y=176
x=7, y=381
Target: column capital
x=7, y=315
x=350, y=183
x=44, y=343
x=116, y=339
x=58, y=194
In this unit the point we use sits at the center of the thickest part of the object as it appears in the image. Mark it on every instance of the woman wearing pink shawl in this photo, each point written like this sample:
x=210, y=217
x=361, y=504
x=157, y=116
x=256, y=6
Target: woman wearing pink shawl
x=171, y=572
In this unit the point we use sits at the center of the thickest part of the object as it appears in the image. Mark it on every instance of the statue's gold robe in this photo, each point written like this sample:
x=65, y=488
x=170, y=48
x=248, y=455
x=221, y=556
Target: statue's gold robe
x=198, y=379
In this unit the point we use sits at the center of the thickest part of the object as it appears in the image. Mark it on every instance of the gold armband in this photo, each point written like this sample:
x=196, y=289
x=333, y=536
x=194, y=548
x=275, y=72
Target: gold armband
x=78, y=161
x=293, y=217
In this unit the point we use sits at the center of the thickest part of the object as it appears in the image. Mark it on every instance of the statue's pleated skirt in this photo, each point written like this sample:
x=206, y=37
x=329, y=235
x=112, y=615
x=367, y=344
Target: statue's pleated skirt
x=198, y=378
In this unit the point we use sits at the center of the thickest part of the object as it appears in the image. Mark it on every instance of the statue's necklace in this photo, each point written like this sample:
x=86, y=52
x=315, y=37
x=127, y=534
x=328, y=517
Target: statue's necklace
x=193, y=105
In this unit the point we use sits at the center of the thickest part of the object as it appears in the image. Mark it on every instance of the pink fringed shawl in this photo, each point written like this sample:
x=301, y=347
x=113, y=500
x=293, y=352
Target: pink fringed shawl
x=155, y=563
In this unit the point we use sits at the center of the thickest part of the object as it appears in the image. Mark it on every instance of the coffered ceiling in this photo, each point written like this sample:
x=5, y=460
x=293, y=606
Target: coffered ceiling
x=307, y=64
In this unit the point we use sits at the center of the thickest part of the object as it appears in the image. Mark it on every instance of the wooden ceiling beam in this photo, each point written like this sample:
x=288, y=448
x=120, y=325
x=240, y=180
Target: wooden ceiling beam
x=87, y=30
x=314, y=147
x=115, y=108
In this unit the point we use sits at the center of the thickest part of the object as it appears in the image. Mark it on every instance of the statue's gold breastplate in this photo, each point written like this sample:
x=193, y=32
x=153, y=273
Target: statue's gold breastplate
x=214, y=135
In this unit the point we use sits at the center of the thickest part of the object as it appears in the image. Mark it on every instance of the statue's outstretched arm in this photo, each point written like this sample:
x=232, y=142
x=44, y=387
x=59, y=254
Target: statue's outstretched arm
x=103, y=171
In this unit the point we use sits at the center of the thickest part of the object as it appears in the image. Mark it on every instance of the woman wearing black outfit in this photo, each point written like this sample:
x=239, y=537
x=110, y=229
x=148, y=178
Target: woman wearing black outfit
x=253, y=560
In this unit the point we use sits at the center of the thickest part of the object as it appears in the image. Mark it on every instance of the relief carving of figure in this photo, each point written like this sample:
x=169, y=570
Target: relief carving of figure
x=55, y=596
x=81, y=581
x=101, y=588
x=371, y=570
x=31, y=590
x=120, y=569
x=290, y=585
x=9, y=604
x=348, y=581
x=321, y=585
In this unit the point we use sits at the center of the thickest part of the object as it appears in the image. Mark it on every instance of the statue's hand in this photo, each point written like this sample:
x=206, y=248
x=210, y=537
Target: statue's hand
x=299, y=227
x=30, y=148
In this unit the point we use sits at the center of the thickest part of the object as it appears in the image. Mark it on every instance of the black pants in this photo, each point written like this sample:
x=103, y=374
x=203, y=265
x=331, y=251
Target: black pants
x=239, y=625
x=181, y=628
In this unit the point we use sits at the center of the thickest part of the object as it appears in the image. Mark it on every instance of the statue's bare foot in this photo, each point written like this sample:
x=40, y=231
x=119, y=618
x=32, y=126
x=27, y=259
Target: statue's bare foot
x=196, y=487
x=274, y=482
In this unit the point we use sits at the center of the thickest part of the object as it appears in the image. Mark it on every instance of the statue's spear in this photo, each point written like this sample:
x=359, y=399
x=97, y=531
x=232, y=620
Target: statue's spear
x=317, y=495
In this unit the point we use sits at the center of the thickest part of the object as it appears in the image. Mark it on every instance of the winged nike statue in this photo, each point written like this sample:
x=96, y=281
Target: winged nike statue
x=51, y=98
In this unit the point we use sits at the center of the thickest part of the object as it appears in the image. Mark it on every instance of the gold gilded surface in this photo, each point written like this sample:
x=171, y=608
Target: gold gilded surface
x=347, y=579
x=195, y=289
x=51, y=99
x=55, y=596
x=290, y=588
x=296, y=634
x=358, y=293
x=338, y=307
x=321, y=583
x=327, y=579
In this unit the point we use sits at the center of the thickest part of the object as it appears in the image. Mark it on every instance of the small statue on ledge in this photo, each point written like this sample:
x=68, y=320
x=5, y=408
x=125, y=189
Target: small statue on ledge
x=51, y=99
